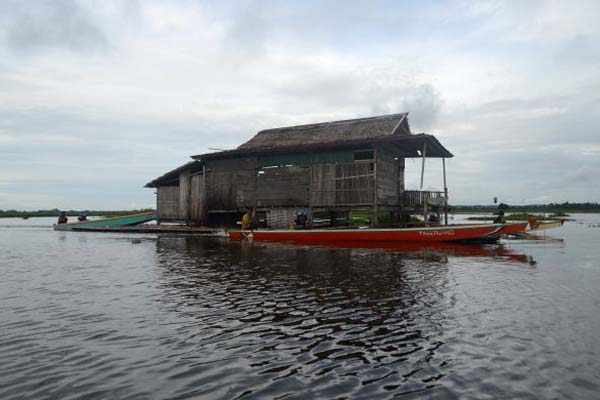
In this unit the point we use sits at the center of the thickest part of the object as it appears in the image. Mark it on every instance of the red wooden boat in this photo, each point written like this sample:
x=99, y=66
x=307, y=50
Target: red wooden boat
x=511, y=229
x=447, y=233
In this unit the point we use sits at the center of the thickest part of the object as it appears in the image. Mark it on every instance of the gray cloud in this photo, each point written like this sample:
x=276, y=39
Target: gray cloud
x=516, y=102
x=246, y=35
x=64, y=24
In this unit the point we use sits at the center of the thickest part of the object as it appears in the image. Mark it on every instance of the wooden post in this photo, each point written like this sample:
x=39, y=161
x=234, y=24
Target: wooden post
x=425, y=219
x=375, y=219
x=445, y=192
x=204, y=197
x=423, y=163
x=424, y=154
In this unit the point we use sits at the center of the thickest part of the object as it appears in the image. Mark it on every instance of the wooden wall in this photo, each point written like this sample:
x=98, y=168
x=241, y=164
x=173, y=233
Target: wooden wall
x=197, y=200
x=388, y=176
x=281, y=218
x=167, y=202
x=283, y=187
x=230, y=184
x=342, y=184
x=184, y=195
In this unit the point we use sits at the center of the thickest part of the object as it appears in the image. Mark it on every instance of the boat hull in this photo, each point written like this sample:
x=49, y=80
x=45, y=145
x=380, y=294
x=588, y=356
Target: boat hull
x=511, y=229
x=435, y=234
x=124, y=220
x=543, y=225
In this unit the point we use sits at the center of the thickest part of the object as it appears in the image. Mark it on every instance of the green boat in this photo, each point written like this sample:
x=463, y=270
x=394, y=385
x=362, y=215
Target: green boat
x=124, y=220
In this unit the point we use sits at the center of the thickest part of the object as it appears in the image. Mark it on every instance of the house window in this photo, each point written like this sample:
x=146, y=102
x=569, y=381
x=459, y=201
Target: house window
x=364, y=155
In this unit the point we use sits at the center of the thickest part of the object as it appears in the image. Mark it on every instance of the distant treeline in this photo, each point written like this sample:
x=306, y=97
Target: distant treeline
x=72, y=213
x=554, y=208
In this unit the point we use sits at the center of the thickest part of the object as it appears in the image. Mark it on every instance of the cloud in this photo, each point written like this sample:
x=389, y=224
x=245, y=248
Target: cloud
x=58, y=24
x=100, y=97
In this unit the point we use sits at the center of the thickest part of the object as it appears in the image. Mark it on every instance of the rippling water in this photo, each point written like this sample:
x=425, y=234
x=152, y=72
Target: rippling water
x=97, y=316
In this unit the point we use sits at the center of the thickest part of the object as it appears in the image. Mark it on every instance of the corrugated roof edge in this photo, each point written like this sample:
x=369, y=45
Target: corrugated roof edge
x=171, y=174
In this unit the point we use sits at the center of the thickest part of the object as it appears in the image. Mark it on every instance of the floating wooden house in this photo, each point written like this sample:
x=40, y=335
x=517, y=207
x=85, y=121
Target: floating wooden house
x=333, y=167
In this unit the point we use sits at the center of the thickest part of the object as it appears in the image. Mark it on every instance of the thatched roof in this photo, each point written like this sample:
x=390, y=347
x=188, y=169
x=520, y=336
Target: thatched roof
x=406, y=146
x=329, y=132
x=347, y=134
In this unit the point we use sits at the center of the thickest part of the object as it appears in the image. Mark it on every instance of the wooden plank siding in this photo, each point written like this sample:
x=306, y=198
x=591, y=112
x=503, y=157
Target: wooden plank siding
x=334, y=185
x=197, y=199
x=167, y=202
x=388, y=176
x=184, y=195
x=245, y=188
x=220, y=190
x=231, y=183
x=283, y=187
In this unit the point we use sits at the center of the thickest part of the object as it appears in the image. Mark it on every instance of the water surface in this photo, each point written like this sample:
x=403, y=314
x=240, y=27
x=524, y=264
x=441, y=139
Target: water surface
x=103, y=315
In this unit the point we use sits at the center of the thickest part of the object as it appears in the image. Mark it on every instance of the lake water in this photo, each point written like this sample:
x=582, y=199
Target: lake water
x=122, y=316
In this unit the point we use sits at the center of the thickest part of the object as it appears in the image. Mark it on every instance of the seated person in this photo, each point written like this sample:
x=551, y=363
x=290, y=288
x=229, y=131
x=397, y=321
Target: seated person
x=62, y=218
x=82, y=218
x=500, y=219
x=433, y=219
x=301, y=220
x=248, y=220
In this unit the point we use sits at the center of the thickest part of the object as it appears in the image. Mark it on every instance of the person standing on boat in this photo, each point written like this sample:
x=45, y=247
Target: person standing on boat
x=500, y=219
x=62, y=218
x=248, y=220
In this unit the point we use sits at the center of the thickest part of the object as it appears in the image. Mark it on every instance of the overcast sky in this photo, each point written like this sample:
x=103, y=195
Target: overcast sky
x=99, y=97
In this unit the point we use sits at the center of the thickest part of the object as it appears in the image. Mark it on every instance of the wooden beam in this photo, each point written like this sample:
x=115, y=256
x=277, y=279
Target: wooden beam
x=375, y=220
x=445, y=192
x=423, y=163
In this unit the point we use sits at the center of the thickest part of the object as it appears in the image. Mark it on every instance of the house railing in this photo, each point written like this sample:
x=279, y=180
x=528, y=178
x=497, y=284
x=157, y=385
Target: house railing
x=416, y=198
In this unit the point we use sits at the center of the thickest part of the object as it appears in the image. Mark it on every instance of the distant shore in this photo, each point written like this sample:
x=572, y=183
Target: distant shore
x=552, y=208
x=548, y=211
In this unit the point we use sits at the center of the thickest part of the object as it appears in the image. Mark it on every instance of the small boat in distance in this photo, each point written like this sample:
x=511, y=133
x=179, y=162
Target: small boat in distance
x=122, y=220
x=536, y=225
x=446, y=233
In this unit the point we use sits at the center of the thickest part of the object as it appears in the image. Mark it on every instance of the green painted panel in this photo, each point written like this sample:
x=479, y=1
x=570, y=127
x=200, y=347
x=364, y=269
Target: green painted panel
x=324, y=157
x=125, y=220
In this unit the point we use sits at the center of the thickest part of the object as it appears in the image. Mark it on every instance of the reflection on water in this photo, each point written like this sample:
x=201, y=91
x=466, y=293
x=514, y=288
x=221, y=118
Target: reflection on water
x=87, y=315
x=339, y=321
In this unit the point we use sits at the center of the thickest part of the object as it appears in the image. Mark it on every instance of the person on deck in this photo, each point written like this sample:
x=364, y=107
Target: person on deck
x=248, y=220
x=433, y=219
x=301, y=220
x=62, y=218
x=500, y=219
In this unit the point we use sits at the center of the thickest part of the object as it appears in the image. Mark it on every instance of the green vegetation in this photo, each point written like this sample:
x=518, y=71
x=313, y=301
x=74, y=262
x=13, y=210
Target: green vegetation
x=512, y=217
x=557, y=209
x=71, y=213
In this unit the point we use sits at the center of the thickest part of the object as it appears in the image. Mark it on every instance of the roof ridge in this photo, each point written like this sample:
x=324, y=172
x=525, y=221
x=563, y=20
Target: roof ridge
x=387, y=116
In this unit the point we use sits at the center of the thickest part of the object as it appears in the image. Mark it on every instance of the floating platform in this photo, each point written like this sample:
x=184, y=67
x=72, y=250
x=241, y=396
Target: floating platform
x=113, y=222
x=192, y=230
x=133, y=223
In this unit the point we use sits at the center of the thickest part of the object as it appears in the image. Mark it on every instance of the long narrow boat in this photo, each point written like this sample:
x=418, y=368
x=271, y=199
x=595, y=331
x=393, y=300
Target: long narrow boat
x=543, y=225
x=512, y=228
x=448, y=233
x=123, y=220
